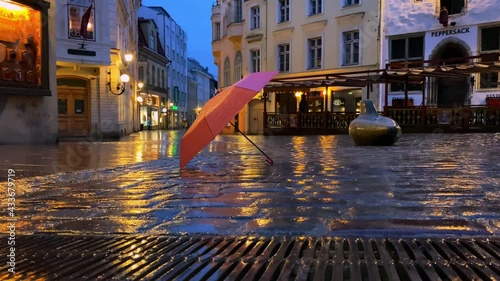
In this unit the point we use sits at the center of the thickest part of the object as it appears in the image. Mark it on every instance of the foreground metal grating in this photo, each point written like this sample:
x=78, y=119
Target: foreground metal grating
x=68, y=257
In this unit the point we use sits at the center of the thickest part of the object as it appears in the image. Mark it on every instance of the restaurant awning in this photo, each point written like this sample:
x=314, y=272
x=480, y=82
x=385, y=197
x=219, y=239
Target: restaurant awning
x=412, y=72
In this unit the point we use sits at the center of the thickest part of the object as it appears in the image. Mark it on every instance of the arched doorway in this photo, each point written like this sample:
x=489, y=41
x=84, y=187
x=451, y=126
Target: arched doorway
x=451, y=91
x=73, y=110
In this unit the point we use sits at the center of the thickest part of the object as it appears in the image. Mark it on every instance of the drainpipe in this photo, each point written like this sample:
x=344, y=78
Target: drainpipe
x=98, y=88
x=264, y=67
x=380, y=39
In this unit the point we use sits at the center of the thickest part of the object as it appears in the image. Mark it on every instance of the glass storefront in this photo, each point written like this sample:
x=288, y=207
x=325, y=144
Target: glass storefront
x=20, y=46
x=154, y=116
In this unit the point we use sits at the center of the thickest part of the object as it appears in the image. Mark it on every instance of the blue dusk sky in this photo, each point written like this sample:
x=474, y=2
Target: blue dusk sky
x=194, y=17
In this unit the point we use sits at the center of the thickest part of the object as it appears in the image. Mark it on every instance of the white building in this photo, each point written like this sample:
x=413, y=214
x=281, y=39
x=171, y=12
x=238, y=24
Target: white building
x=202, y=80
x=94, y=97
x=411, y=30
x=174, y=40
x=152, y=68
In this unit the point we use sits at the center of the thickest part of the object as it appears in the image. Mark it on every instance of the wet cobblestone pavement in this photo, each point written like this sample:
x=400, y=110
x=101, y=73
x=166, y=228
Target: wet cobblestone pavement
x=425, y=185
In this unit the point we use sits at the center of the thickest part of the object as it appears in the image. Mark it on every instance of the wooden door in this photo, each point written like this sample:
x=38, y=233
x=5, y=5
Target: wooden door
x=73, y=112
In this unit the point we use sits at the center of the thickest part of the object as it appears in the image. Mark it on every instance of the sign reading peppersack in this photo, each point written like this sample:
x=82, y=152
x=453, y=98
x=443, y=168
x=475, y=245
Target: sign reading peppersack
x=450, y=32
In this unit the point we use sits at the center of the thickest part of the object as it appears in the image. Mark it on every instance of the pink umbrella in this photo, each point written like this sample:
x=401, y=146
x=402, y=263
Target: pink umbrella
x=219, y=111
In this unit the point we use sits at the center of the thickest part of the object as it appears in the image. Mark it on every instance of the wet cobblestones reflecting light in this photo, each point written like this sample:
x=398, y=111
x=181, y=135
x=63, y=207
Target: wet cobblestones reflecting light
x=319, y=185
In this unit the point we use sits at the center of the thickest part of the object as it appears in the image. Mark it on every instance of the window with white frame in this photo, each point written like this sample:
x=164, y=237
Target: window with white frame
x=284, y=57
x=453, y=6
x=314, y=56
x=254, y=17
x=79, y=10
x=227, y=72
x=216, y=33
x=238, y=10
x=255, y=60
x=490, y=44
x=351, y=47
x=238, y=67
x=351, y=2
x=283, y=11
x=315, y=7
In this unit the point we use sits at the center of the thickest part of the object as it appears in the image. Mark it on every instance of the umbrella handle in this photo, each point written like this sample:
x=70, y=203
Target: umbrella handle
x=268, y=159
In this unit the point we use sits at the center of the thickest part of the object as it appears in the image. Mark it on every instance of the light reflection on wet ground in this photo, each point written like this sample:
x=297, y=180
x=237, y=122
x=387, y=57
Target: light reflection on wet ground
x=435, y=184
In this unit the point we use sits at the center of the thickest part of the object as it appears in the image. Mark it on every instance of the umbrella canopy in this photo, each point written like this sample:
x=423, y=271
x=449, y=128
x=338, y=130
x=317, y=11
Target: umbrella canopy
x=219, y=111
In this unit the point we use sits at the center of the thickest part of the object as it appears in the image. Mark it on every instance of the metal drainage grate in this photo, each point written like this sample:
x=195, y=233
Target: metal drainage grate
x=60, y=257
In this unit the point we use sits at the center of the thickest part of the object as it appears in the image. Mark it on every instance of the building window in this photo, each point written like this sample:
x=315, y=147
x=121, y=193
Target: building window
x=158, y=80
x=78, y=12
x=314, y=47
x=141, y=73
x=216, y=34
x=407, y=49
x=284, y=57
x=254, y=17
x=453, y=6
x=224, y=25
x=255, y=57
x=284, y=11
x=152, y=40
x=153, y=76
x=238, y=72
x=490, y=43
x=163, y=79
x=227, y=72
x=238, y=10
x=351, y=48
x=315, y=7
x=351, y=2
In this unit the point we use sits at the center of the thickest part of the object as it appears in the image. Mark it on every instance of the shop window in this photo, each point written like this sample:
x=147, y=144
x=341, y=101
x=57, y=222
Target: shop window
x=453, y=6
x=21, y=47
x=81, y=11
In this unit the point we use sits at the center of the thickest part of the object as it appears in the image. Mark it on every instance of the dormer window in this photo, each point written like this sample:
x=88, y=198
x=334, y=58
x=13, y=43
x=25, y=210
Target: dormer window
x=453, y=6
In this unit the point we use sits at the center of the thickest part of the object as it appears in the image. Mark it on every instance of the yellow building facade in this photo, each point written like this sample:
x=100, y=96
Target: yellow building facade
x=298, y=39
